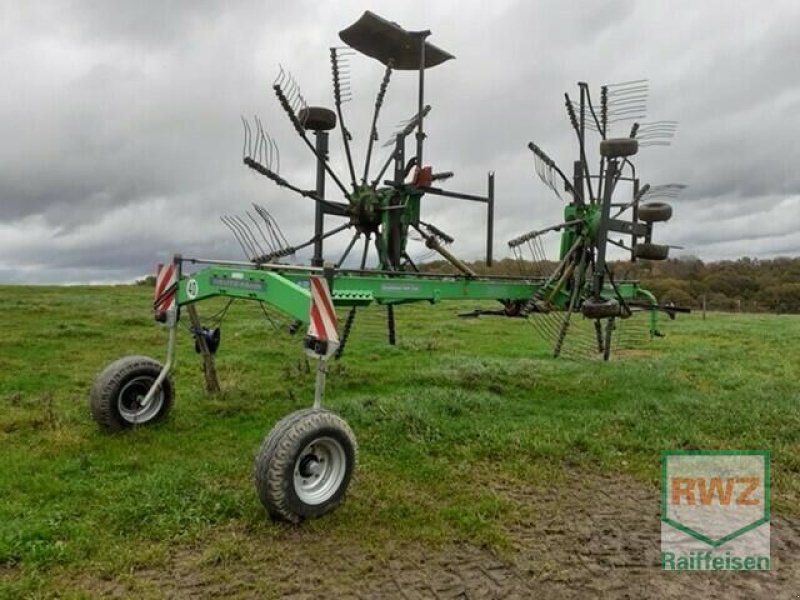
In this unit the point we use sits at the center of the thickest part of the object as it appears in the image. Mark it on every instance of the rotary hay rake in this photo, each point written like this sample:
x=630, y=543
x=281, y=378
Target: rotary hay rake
x=305, y=463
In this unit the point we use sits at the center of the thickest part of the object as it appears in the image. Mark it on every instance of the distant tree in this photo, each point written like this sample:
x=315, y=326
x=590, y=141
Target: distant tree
x=781, y=298
x=150, y=281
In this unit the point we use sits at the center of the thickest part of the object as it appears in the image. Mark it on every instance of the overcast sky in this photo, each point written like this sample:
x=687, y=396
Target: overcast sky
x=121, y=139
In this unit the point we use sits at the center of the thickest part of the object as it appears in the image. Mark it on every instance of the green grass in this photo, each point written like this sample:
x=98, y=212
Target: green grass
x=456, y=405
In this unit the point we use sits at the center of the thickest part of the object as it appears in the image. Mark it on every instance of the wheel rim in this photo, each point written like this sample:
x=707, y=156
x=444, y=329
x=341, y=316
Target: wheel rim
x=130, y=401
x=319, y=470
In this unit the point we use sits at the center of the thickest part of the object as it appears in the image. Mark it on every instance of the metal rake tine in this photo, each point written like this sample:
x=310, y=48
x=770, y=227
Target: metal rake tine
x=339, y=98
x=280, y=77
x=301, y=107
x=250, y=236
x=264, y=146
x=627, y=101
x=262, y=212
x=272, y=227
x=258, y=227
x=267, y=146
x=243, y=231
x=289, y=87
x=627, y=109
x=279, y=232
x=622, y=92
x=246, y=149
x=662, y=122
x=647, y=128
x=270, y=149
x=273, y=233
x=626, y=118
x=657, y=135
x=236, y=236
x=259, y=141
x=239, y=236
x=274, y=154
x=632, y=82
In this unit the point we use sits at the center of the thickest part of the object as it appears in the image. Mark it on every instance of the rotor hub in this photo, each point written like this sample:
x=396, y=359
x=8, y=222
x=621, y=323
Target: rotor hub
x=365, y=208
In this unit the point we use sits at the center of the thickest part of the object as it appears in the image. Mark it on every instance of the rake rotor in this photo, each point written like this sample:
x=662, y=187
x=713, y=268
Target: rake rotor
x=382, y=208
x=581, y=280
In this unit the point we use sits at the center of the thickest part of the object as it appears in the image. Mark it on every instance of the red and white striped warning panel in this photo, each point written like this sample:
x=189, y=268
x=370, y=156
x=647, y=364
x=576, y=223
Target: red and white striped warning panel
x=164, y=294
x=322, y=316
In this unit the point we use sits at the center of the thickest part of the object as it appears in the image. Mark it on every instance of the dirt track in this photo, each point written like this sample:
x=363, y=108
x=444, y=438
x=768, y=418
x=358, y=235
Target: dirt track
x=564, y=547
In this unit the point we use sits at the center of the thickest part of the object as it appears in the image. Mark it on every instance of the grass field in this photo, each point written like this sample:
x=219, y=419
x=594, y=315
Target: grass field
x=458, y=409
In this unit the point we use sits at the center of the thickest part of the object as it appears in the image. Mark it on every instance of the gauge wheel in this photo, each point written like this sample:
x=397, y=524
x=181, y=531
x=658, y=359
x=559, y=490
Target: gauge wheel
x=305, y=465
x=116, y=399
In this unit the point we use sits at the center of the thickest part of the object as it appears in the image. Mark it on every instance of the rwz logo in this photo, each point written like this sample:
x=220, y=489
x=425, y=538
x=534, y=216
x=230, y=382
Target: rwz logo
x=699, y=490
x=715, y=501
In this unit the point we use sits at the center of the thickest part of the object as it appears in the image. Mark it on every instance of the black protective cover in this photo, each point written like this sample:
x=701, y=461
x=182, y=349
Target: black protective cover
x=384, y=40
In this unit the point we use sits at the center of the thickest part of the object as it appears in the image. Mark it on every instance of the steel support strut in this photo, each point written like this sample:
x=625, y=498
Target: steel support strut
x=173, y=316
x=319, y=383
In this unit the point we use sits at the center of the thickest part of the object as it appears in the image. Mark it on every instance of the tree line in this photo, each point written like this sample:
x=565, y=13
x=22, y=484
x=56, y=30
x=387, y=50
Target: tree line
x=745, y=284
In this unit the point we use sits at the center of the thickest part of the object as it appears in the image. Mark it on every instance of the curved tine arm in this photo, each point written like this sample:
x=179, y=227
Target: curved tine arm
x=269, y=174
x=573, y=119
x=373, y=135
x=549, y=162
x=526, y=237
x=337, y=96
x=447, y=239
x=301, y=132
x=591, y=110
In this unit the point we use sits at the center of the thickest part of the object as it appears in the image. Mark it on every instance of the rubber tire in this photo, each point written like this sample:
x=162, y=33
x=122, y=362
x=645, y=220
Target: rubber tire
x=274, y=465
x=651, y=251
x=619, y=147
x=108, y=384
x=317, y=118
x=512, y=308
x=655, y=212
x=600, y=310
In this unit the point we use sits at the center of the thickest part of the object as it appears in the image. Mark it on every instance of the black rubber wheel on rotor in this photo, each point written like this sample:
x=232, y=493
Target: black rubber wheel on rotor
x=619, y=147
x=512, y=308
x=276, y=461
x=600, y=310
x=655, y=212
x=317, y=118
x=651, y=251
x=104, y=397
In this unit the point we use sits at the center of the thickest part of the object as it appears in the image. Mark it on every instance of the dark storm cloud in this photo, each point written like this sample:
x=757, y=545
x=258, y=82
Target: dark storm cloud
x=122, y=143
